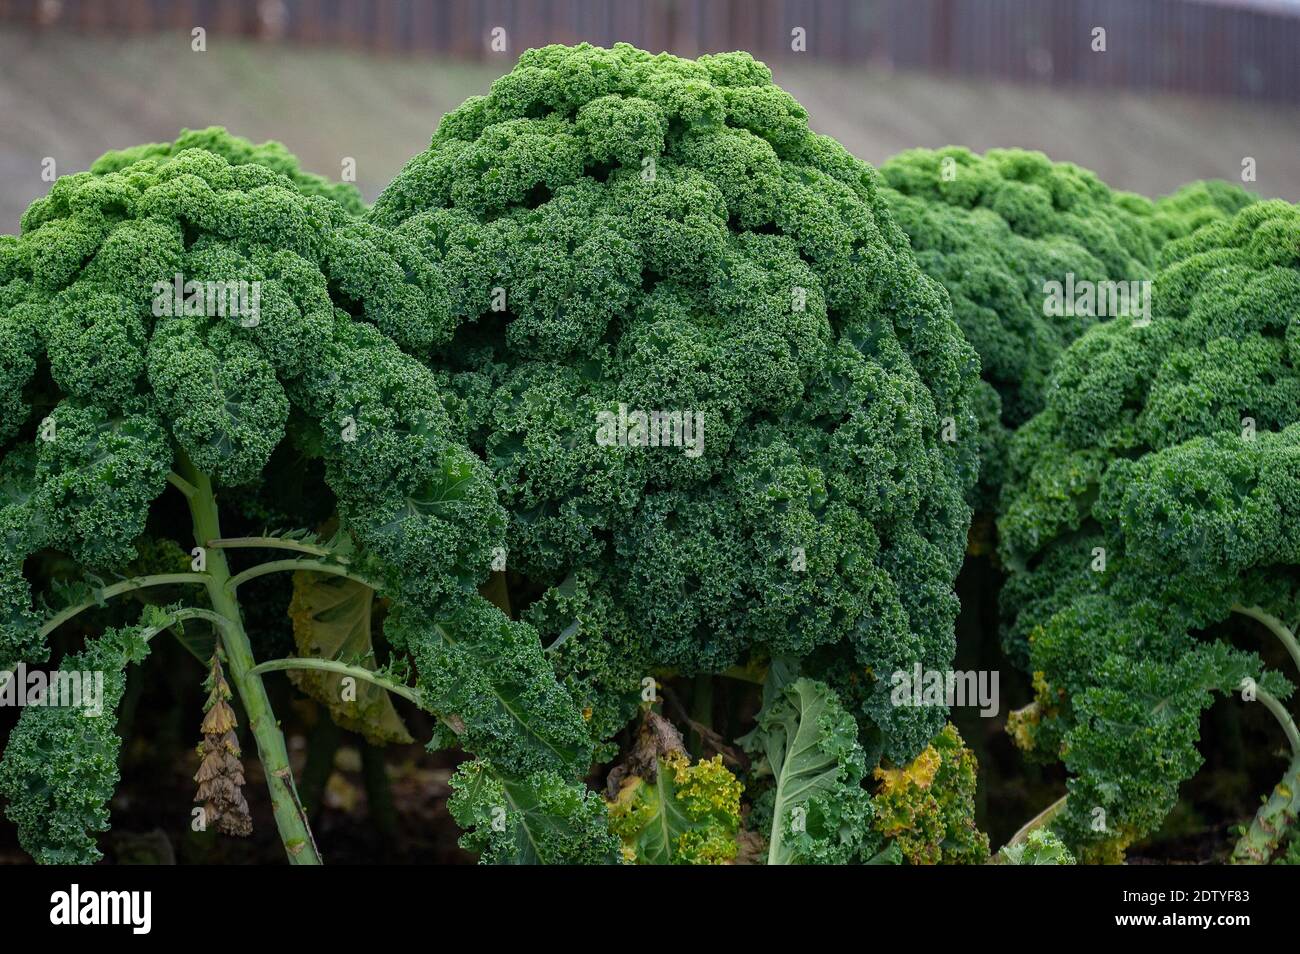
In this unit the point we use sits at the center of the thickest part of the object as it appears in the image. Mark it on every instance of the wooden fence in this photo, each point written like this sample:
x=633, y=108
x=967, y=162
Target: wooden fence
x=1214, y=47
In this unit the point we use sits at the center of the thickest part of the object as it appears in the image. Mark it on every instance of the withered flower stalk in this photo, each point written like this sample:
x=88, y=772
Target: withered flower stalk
x=221, y=773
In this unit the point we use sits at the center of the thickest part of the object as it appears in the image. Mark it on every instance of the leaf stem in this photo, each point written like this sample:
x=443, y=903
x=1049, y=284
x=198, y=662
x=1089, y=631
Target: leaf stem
x=1274, y=818
x=293, y=565
x=181, y=484
x=1274, y=705
x=117, y=589
x=1276, y=627
x=365, y=675
x=340, y=668
x=189, y=612
x=269, y=543
x=1038, y=821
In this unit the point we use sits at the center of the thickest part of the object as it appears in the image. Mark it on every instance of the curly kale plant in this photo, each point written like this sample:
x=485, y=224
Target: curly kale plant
x=727, y=414
x=927, y=807
x=816, y=809
x=666, y=810
x=1040, y=847
x=997, y=230
x=1153, y=509
x=198, y=324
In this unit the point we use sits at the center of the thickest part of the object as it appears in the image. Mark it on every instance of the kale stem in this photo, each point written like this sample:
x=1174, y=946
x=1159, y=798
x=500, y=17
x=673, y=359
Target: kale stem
x=1041, y=820
x=1279, y=811
x=290, y=818
x=701, y=712
x=322, y=747
x=379, y=791
x=180, y=615
x=358, y=672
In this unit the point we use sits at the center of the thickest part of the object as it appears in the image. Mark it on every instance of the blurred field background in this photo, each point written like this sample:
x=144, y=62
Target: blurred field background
x=336, y=78
x=1185, y=91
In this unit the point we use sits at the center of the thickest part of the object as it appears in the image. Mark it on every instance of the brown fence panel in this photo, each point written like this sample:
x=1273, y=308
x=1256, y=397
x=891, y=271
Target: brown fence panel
x=1213, y=47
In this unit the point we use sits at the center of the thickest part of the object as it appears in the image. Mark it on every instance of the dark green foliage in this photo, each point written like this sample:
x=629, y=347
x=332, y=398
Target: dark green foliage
x=238, y=152
x=1181, y=213
x=622, y=232
x=489, y=671
x=60, y=763
x=995, y=229
x=111, y=385
x=1035, y=197
x=541, y=819
x=1173, y=448
x=129, y=387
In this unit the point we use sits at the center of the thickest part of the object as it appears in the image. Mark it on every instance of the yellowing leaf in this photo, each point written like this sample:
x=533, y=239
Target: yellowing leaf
x=332, y=620
x=686, y=814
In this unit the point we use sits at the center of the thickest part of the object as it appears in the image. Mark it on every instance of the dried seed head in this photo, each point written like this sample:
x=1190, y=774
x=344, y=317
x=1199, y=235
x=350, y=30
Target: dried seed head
x=221, y=773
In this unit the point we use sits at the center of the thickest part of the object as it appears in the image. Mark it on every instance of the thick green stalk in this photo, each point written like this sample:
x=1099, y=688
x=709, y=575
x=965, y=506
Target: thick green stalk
x=1281, y=809
x=379, y=791
x=1278, y=813
x=322, y=747
x=290, y=817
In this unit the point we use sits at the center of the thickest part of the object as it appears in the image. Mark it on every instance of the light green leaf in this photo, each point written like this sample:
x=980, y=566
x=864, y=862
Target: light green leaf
x=819, y=810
